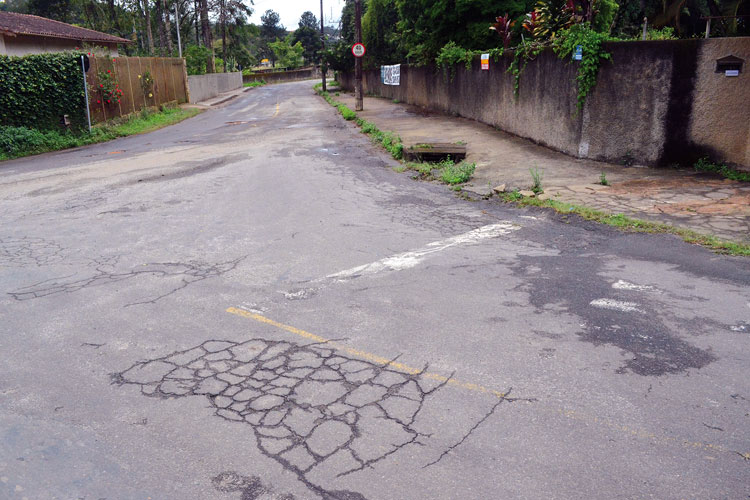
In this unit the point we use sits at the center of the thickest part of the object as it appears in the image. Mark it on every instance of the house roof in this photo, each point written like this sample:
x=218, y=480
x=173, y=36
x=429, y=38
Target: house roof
x=13, y=24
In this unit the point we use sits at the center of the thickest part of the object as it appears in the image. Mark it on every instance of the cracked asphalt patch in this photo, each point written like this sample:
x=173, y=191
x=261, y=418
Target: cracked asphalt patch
x=187, y=273
x=312, y=409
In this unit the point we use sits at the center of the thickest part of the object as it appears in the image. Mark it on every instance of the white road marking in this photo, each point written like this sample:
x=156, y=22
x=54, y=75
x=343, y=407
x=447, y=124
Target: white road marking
x=407, y=260
x=616, y=305
x=624, y=285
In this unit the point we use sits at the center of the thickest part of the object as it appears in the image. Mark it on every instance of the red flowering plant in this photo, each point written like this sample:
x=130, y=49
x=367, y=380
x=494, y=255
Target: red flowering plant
x=109, y=90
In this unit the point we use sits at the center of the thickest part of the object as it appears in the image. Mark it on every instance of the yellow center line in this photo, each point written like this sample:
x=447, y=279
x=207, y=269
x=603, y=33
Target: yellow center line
x=569, y=414
x=277, y=110
x=380, y=360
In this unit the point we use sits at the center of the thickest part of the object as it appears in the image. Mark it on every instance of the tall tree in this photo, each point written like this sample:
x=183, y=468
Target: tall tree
x=308, y=20
x=145, y=12
x=270, y=30
x=308, y=35
x=379, y=33
x=207, y=36
x=53, y=9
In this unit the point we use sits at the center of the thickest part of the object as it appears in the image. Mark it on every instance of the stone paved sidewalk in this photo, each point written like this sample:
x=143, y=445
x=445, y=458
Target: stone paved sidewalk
x=703, y=202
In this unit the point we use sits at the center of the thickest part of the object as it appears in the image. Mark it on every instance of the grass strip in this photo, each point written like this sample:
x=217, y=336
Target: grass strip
x=256, y=83
x=16, y=142
x=630, y=224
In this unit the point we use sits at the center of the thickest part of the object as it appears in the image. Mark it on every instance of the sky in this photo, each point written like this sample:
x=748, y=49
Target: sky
x=291, y=10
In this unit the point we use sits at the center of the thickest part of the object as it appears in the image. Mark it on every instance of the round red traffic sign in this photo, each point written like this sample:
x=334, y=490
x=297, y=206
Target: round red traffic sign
x=358, y=50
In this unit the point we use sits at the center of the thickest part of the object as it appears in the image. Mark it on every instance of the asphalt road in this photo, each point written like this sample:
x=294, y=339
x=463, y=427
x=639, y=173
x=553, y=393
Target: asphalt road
x=252, y=304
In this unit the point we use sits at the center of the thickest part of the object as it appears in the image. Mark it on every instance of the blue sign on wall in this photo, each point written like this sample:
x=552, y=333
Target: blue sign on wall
x=578, y=54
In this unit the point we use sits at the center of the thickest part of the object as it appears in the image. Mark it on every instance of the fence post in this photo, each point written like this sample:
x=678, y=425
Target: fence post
x=86, y=92
x=185, y=81
x=130, y=84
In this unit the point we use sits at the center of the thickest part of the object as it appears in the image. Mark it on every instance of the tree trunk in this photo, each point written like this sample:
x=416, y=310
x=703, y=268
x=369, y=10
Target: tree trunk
x=113, y=23
x=149, y=33
x=207, y=37
x=224, y=33
x=160, y=29
x=167, y=27
x=197, y=9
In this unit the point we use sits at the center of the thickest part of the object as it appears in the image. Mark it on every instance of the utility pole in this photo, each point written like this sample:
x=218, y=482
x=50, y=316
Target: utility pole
x=323, y=47
x=177, y=25
x=358, y=104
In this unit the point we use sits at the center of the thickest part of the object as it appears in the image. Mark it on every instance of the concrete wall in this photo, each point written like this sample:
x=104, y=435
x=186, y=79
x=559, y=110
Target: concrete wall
x=656, y=103
x=284, y=76
x=23, y=45
x=204, y=87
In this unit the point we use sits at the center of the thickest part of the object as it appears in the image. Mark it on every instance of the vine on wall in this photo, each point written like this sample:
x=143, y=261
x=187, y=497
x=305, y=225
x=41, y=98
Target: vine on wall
x=37, y=90
x=593, y=55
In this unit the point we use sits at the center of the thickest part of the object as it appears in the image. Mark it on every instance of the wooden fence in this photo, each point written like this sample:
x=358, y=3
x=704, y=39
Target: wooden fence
x=169, y=77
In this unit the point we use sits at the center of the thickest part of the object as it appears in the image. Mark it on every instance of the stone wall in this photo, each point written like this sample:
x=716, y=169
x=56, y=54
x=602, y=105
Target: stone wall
x=656, y=103
x=204, y=87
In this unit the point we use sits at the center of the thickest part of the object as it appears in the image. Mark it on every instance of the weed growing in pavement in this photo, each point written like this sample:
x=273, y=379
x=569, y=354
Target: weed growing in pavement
x=626, y=223
x=451, y=173
x=706, y=165
x=346, y=112
x=423, y=169
x=536, y=180
x=390, y=141
x=399, y=168
x=458, y=174
x=603, y=179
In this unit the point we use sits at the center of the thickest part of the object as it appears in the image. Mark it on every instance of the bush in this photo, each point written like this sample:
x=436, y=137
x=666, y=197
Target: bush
x=37, y=90
x=196, y=59
x=22, y=141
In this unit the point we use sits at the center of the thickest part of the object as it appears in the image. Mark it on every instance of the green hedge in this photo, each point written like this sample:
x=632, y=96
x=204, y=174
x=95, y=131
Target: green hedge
x=37, y=90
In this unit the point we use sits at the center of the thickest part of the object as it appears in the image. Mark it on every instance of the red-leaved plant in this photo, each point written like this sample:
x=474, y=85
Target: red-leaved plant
x=504, y=27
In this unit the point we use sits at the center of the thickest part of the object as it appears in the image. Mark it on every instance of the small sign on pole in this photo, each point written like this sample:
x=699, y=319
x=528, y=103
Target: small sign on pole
x=358, y=50
x=485, y=61
x=578, y=54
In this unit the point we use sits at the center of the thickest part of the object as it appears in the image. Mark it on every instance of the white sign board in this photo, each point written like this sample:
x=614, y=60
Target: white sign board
x=391, y=75
x=732, y=72
x=358, y=50
x=485, y=61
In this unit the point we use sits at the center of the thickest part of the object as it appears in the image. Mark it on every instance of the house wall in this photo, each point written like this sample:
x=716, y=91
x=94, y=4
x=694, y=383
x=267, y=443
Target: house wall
x=2, y=44
x=656, y=103
x=22, y=45
x=720, y=118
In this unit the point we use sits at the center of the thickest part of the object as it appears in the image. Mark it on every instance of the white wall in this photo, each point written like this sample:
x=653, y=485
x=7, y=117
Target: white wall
x=24, y=45
x=2, y=45
x=204, y=87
